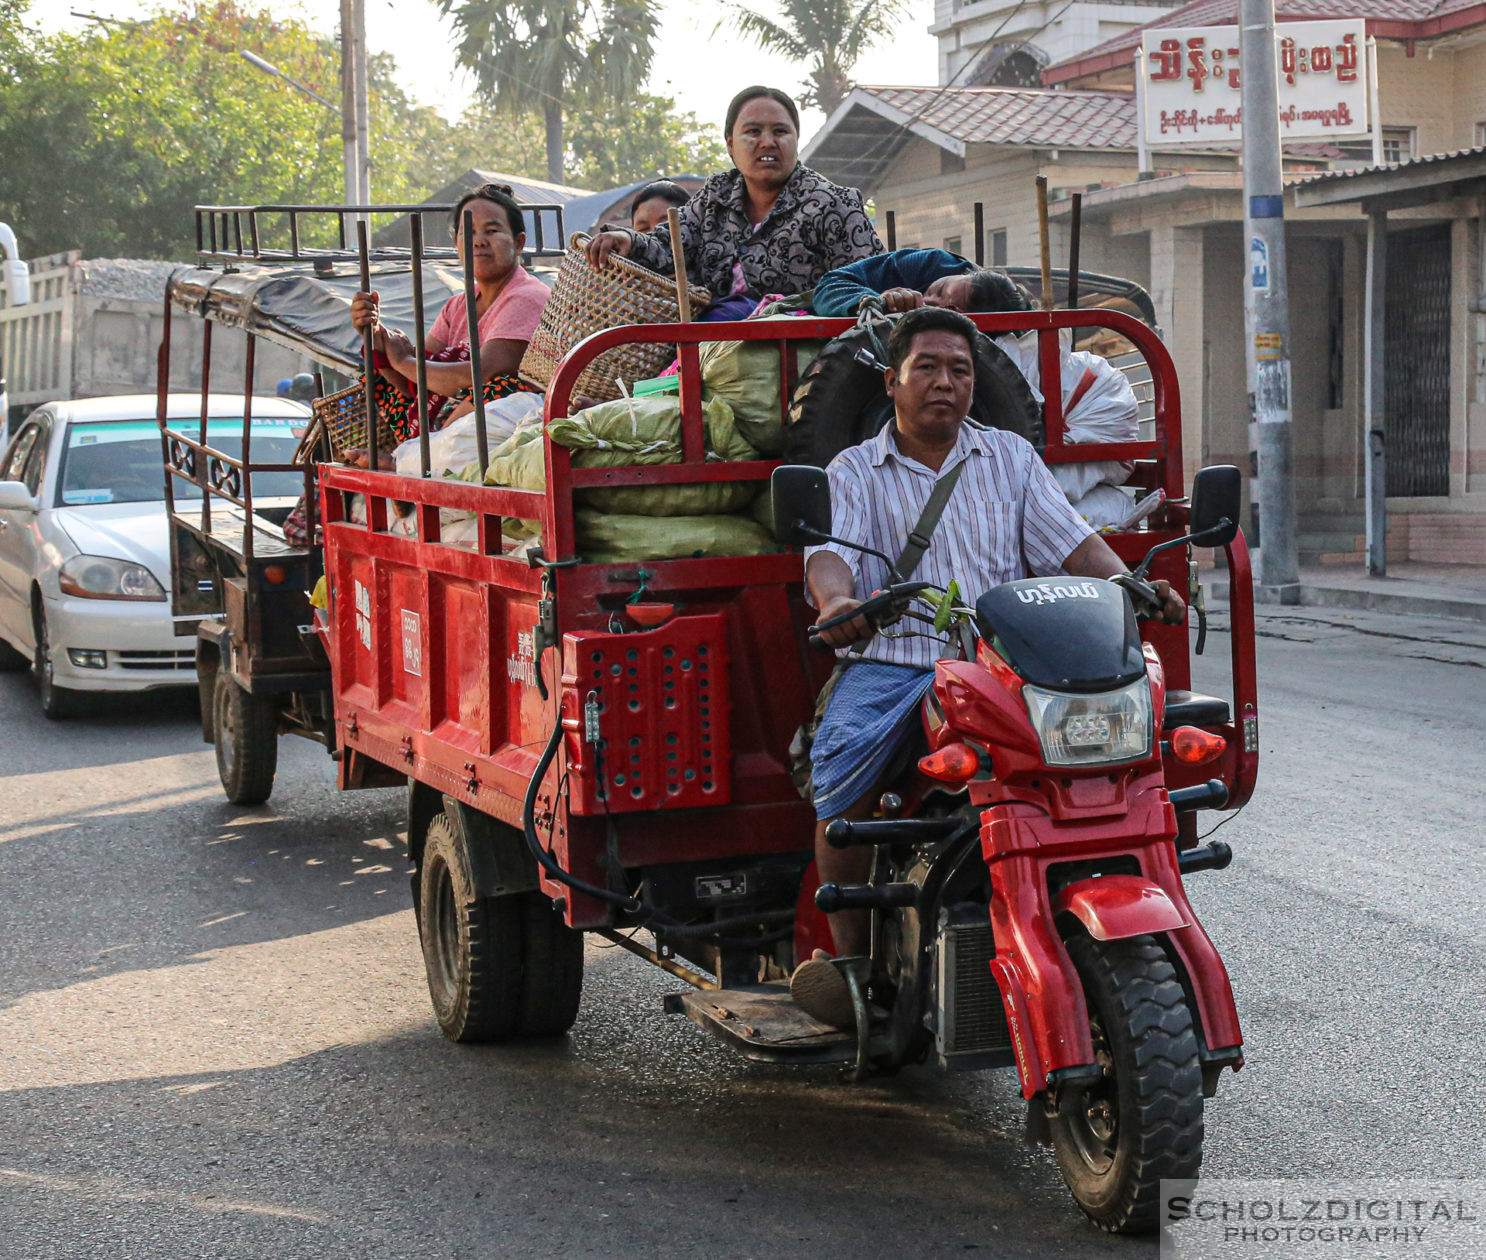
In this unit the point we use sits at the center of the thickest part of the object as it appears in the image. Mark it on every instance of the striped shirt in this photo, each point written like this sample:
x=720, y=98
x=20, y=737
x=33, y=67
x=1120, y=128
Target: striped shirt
x=1006, y=519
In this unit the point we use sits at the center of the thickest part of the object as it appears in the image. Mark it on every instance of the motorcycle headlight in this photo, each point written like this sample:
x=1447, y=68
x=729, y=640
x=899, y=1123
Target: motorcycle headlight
x=98, y=577
x=1102, y=729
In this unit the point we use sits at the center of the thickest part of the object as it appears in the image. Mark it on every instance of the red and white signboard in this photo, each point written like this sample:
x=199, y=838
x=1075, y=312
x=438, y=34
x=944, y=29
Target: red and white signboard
x=1192, y=82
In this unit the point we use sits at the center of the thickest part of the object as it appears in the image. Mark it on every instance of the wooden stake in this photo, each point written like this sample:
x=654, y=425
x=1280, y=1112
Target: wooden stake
x=1075, y=230
x=678, y=261
x=1046, y=243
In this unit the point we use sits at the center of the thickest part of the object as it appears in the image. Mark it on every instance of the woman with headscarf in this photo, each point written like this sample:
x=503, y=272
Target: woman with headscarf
x=769, y=225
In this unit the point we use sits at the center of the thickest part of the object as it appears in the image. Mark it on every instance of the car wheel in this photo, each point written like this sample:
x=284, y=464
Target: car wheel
x=56, y=702
x=245, y=729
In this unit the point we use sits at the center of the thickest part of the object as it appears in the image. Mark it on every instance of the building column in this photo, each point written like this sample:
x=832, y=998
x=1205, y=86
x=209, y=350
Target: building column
x=1178, y=292
x=1375, y=481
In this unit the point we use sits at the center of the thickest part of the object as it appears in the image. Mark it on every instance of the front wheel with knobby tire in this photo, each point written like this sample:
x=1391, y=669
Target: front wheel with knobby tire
x=1142, y=1120
x=498, y=967
x=246, y=735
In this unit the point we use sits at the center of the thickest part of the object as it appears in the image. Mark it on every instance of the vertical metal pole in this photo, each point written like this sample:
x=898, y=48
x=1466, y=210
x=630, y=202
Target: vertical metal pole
x=424, y=459
x=1266, y=304
x=979, y=253
x=1375, y=470
x=1142, y=141
x=892, y=229
x=247, y=458
x=368, y=359
x=477, y=378
x=350, y=163
x=1075, y=231
x=202, y=472
x=1374, y=105
x=162, y=397
x=363, y=121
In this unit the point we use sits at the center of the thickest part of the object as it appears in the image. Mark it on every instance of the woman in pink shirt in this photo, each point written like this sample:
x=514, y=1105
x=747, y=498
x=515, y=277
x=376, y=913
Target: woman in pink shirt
x=508, y=301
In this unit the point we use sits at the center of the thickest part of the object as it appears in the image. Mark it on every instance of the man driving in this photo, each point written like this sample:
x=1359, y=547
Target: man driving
x=1006, y=518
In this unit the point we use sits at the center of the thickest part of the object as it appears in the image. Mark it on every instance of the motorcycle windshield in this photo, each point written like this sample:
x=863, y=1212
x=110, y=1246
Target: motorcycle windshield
x=1064, y=633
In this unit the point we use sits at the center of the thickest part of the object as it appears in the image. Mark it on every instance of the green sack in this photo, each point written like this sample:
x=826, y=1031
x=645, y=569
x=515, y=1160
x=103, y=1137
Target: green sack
x=633, y=431
x=745, y=374
x=613, y=538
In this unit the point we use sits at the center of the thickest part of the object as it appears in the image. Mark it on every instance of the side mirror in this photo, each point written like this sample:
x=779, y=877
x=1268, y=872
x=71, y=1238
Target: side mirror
x=17, y=282
x=1217, y=500
x=16, y=496
x=802, y=504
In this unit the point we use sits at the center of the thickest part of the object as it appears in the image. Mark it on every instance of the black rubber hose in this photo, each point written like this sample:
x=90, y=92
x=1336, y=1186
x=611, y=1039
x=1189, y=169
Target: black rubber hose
x=544, y=859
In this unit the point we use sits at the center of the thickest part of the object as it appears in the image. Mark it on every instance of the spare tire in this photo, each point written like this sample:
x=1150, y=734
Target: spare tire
x=840, y=402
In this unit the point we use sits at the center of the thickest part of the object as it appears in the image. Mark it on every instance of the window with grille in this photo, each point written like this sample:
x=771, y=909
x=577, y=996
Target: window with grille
x=997, y=251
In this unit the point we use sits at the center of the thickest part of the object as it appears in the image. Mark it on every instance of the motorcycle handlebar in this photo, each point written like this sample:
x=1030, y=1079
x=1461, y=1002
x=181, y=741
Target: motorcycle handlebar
x=890, y=599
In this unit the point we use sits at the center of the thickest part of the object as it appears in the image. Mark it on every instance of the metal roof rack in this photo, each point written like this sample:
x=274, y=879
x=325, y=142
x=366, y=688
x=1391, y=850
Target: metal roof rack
x=243, y=234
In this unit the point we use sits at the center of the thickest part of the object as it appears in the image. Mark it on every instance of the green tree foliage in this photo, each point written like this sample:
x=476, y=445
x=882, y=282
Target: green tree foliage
x=109, y=136
x=828, y=36
x=555, y=57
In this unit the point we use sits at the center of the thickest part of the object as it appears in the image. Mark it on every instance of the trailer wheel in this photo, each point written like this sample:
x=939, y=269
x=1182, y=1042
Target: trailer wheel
x=498, y=967
x=1142, y=1120
x=245, y=731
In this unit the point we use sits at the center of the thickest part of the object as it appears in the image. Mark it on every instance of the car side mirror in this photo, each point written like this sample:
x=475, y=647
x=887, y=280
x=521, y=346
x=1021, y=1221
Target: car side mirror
x=16, y=496
x=1217, y=500
x=802, y=504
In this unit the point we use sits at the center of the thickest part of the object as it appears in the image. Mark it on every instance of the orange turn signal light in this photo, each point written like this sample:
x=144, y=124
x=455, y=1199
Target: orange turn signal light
x=275, y=575
x=649, y=615
x=954, y=763
x=1195, y=746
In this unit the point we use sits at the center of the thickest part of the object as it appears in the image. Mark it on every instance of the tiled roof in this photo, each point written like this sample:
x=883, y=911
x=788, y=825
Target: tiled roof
x=1396, y=19
x=1411, y=164
x=1028, y=116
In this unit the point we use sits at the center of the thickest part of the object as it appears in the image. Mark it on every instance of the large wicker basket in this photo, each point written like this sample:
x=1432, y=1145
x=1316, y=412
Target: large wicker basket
x=585, y=301
x=343, y=417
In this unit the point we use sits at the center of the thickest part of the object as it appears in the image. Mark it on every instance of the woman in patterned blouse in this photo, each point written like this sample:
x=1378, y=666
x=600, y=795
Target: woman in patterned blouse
x=769, y=225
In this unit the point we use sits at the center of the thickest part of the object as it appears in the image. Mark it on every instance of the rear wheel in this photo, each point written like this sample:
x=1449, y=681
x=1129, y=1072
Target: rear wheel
x=498, y=967
x=246, y=734
x=1142, y=1120
x=56, y=702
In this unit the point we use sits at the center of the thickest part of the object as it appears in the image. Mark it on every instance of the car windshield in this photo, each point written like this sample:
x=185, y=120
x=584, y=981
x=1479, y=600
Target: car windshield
x=119, y=461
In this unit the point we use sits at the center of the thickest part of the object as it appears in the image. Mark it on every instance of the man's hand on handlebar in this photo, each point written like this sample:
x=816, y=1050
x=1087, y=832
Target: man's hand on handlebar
x=1173, y=607
x=847, y=633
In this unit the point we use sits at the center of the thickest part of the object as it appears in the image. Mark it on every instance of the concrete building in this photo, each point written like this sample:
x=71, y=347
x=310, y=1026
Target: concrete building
x=930, y=154
x=1001, y=43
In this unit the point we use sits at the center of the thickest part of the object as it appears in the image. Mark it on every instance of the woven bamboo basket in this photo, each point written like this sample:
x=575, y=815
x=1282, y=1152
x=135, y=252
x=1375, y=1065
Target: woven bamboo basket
x=343, y=416
x=585, y=301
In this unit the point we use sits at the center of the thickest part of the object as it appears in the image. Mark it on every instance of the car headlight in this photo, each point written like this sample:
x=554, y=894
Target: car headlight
x=1102, y=729
x=98, y=577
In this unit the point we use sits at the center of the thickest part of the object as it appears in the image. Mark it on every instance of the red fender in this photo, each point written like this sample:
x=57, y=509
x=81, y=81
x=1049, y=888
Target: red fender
x=1114, y=907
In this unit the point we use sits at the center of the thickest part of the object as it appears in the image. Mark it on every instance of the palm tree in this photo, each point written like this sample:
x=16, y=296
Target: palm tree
x=828, y=35
x=552, y=55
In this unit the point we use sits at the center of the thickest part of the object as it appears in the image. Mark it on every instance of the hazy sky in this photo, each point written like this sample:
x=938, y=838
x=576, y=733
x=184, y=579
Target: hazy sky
x=701, y=71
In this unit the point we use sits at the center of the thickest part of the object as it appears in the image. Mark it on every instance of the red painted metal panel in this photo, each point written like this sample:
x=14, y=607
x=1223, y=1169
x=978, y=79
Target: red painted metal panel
x=1114, y=907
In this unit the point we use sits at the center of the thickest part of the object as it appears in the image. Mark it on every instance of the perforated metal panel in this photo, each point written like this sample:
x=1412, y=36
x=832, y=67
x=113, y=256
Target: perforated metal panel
x=663, y=703
x=1417, y=361
x=971, y=1018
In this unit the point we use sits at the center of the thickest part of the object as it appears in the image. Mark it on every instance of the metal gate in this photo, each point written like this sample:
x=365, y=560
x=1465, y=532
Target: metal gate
x=1417, y=361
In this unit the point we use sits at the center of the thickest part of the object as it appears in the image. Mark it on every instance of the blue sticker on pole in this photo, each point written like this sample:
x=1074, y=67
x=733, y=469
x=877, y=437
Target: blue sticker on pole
x=1267, y=207
x=1259, y=264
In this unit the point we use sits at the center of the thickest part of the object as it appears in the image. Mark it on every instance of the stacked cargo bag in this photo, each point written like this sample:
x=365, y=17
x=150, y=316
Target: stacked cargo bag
x=662, y=522
x=745, y=375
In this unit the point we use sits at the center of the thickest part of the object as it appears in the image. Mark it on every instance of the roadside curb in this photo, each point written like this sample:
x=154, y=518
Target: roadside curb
x=1370, y=600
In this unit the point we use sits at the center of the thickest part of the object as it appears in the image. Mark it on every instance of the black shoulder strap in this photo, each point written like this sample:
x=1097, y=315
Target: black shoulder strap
x=928, y=522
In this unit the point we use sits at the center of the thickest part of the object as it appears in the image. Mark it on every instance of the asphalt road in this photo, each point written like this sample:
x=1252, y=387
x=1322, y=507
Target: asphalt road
x=215, y=1038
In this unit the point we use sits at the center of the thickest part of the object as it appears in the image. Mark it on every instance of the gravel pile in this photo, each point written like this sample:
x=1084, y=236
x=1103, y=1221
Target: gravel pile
x=130, y=278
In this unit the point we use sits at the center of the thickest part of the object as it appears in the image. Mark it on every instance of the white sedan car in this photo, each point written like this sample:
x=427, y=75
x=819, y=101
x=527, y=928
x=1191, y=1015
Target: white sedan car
x=84, y=542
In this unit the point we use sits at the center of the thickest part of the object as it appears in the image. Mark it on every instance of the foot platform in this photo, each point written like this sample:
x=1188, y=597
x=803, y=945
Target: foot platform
x=762, y=1023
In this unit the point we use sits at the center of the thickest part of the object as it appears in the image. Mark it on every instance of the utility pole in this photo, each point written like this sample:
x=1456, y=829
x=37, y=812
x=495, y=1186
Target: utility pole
x=355, y=126
x=1266, y=305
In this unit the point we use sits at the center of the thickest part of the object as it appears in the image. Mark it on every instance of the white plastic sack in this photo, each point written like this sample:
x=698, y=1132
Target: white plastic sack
x=1104, y=506
x=1106, y=409
x=453, y=446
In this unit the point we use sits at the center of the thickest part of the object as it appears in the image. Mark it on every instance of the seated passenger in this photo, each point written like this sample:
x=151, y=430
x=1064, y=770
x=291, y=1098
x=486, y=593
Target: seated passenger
x=1005, y=519
x=769, y=225
x=906, y=279
x=508, y=303
x=648, y=209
